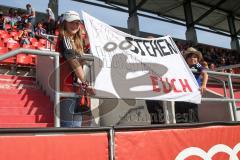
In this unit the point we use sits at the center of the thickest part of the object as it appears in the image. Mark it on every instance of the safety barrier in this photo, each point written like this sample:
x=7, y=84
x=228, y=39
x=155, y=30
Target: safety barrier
x=205, y=141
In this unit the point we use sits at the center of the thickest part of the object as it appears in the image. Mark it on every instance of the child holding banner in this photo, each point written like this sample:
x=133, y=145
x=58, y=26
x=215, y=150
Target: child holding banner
x=188, y=112
x=71, y=45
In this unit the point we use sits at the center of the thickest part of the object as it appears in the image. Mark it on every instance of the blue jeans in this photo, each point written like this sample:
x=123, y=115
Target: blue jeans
x=67, y=116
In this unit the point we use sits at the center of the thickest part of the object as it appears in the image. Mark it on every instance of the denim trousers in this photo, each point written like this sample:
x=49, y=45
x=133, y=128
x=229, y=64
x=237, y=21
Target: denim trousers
x=67, y=116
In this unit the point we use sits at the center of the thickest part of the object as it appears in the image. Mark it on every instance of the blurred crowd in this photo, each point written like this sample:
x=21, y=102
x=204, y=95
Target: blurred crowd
x=214, y=57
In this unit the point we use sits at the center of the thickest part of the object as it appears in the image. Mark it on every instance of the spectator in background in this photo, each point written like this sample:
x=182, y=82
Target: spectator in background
x=71, y=47
x=58, y=24
x=31, y=15
x=24, y=37
x=230, y=71
x=187, y=112
x=2, y=21
x=39, y=31
x=28, y=27
x=50, y=21
x=17, y=19
x=222, y=63
x=204, y=64
x=212, y=67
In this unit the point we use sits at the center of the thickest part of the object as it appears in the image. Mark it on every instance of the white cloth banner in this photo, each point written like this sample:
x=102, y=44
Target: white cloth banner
x=130, y=67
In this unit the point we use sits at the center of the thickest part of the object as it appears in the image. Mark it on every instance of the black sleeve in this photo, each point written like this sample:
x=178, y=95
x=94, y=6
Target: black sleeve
x=67, y=49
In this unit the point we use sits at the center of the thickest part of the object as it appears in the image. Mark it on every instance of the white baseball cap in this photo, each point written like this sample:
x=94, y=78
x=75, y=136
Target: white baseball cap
x=70, y=16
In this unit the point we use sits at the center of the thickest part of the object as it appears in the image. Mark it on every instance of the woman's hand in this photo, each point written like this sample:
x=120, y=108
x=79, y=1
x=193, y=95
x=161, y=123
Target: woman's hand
x=91, y=90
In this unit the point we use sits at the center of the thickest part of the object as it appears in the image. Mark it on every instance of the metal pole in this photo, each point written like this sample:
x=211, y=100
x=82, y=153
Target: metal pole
x=234, y=109
x=166, y=112
x=57, y=94
x=172, y=106
x=111, y=144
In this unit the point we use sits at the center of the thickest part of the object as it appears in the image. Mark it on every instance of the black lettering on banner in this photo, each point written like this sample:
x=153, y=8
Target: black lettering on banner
x=148, y=45
x=155, y=48
x=174, y=45
x=171, y=48
x=159, y=46
x=163, y=46
x=138, y=41
x=135, y=50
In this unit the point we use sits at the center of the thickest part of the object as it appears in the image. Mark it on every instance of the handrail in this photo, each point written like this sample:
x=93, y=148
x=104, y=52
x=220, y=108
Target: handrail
x=47, y=37
x=232, y=101
x=224, y=85
x=32, y=51
x=222, y=73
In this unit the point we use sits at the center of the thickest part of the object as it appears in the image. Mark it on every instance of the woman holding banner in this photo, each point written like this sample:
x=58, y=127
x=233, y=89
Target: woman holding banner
x=72, y=45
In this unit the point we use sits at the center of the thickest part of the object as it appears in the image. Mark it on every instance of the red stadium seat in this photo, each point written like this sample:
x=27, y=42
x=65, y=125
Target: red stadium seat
x=28, y=46
x=35, y=44
x=11, y=45
x=8, y=26
x=33, y=59
x=5, y=40
x=43, y=41
x=1, y=44
x=40, y=46
x=13, y=34
x=11, y=60
x=5, y=35
x=32, y=40
x=3, y=32
x=23, y=59
x=3, y=50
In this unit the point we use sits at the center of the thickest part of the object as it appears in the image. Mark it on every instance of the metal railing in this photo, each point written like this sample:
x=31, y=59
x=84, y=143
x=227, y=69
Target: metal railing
x=49, y=41
x=58, y=94
x=231, y=100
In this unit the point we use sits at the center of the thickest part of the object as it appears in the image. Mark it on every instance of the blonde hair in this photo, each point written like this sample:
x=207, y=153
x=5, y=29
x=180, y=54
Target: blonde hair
x=77, y=42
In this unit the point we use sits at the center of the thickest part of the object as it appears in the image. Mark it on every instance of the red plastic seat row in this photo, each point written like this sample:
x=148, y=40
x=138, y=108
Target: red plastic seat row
x=1, y=44
x=3, y=32
x=21, y=59
x=4, y=36
x=24, y=59
x=10, y=60
x=3, y=50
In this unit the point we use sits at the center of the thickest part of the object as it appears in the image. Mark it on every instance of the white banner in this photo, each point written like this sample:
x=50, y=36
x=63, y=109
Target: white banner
x=130, y=67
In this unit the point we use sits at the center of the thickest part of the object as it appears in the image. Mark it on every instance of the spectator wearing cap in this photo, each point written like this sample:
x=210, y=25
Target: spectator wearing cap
x=187, y=112
x=50, y=21
x=71, y=46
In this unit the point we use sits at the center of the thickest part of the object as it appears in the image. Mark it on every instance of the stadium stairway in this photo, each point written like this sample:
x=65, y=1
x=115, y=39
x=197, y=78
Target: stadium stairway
x=23, y=104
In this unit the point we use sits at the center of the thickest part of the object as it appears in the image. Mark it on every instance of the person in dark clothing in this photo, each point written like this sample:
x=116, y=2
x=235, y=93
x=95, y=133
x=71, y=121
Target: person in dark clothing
x=70, y=46
x=187, y=112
